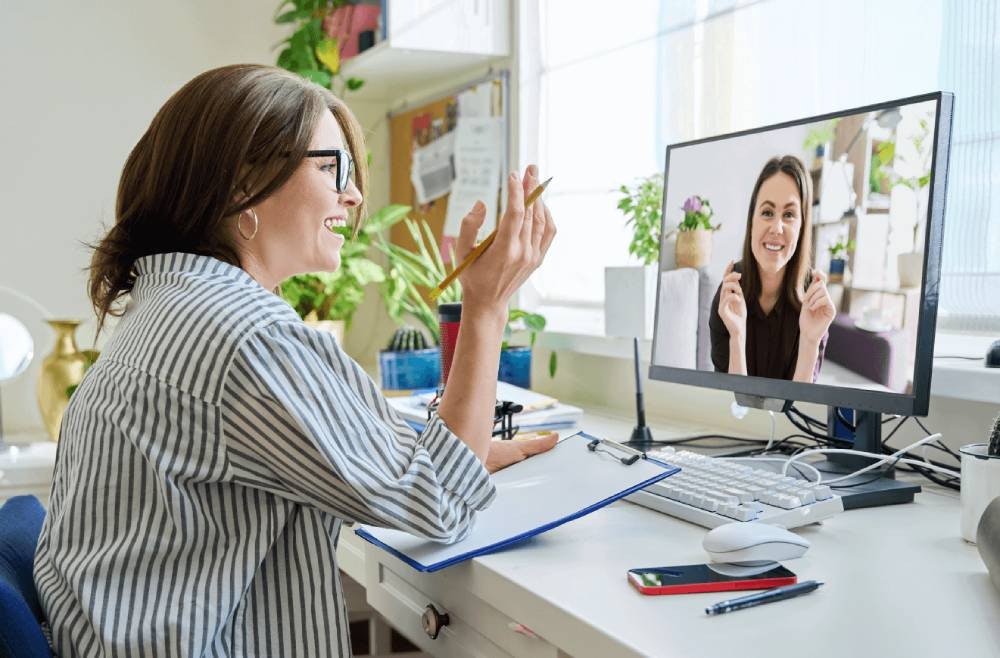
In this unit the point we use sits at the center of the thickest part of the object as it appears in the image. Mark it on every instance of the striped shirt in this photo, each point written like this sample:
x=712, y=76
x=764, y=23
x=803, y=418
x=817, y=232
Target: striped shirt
x=205, y=466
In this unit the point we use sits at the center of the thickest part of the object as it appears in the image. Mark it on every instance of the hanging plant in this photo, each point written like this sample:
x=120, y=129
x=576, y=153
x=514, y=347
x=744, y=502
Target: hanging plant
x=309, y=50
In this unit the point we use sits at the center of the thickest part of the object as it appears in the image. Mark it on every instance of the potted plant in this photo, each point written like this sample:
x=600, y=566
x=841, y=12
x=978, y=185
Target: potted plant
x=409, y=361
x=411, y=276
x=515, y=360
x=328, y=300
x=310, y=50
x=694, y=233
x=838, y=252
x=911, y=168
x=817, y=141
x=630, y=291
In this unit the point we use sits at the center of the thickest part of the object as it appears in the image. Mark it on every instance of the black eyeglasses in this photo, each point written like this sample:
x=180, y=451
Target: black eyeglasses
x=345, y=165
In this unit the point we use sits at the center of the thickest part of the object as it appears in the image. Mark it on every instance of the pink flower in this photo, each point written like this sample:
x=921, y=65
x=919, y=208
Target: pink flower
x=692, y=204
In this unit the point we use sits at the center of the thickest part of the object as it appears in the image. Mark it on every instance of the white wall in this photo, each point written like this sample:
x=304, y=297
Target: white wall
x=724, y=172
x=81, y=82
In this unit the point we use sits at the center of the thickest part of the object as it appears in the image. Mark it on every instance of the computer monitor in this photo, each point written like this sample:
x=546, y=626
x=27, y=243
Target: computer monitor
x=851, y=200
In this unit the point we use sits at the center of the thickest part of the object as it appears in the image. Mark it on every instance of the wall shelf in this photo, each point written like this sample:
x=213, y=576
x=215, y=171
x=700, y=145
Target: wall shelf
x=391, y=73
x=430, y=43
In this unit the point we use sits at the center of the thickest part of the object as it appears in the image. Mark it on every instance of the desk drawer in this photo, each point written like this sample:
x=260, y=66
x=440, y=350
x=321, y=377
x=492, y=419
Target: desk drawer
x=474, y=628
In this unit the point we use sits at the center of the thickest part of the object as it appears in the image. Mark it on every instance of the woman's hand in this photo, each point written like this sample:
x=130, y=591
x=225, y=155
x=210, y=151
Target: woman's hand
x=817, y=311
x=732, y=305
x=504, y=453
x=523, y=237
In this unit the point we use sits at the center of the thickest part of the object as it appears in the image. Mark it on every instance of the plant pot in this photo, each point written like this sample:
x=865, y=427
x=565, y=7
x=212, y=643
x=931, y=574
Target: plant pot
x=837, y=266
x=411, y=369
x=694, y=248
x=515, y=366
x=62, y=370
x=335, y=327
x=629, y=301
x=911, y=269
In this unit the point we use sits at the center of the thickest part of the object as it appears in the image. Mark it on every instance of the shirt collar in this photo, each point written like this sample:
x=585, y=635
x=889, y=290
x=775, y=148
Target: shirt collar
x=193, y=263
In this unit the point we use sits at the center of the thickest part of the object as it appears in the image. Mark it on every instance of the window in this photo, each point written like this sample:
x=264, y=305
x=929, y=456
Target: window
x=610, y=89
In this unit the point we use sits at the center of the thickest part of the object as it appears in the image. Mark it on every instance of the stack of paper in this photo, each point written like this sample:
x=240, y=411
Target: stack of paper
x=540, y=411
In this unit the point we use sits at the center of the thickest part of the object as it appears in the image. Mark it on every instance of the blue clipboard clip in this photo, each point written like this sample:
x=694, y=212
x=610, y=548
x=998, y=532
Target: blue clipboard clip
x=632, y=457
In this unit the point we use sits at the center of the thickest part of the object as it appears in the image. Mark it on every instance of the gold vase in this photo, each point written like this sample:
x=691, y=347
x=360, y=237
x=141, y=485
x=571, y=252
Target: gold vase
x=62, y=370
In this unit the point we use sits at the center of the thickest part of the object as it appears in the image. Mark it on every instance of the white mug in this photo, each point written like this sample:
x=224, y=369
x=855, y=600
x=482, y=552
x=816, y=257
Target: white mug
x=980, y=485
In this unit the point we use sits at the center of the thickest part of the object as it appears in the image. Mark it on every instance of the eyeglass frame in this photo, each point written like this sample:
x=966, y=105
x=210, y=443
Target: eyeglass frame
x=342, y=180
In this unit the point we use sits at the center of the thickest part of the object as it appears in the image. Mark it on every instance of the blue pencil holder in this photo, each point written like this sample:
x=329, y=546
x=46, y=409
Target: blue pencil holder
x=515, y=366
x=410, y=369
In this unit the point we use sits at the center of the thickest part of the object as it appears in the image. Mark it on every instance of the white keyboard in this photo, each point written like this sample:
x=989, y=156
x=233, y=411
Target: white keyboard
x=711, y=492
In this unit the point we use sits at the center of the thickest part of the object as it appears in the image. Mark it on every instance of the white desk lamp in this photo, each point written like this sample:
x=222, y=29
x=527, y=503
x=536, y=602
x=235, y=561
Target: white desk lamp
x=16, y=351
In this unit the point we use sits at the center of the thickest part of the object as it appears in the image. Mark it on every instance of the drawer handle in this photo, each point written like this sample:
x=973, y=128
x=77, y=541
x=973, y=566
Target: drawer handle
x=433, y=621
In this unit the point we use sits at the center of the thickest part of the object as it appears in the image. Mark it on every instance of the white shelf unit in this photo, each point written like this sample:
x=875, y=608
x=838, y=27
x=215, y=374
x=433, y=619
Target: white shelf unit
x=430, y=41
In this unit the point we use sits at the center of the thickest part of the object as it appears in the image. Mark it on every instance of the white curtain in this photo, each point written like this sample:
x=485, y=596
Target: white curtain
x=970, y=281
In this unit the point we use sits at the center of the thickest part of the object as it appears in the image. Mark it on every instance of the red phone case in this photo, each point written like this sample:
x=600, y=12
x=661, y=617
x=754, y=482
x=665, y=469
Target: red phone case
x=725, y=586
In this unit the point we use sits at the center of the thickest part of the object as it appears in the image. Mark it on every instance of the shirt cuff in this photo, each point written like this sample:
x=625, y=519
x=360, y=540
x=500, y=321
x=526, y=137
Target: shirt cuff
x=458, y=469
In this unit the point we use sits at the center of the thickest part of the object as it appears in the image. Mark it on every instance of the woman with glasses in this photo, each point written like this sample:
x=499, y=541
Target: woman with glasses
x=771, y=313
x=210, y=457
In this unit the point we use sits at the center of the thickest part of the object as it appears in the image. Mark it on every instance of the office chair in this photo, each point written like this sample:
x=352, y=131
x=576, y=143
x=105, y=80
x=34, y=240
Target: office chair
x=21, y=634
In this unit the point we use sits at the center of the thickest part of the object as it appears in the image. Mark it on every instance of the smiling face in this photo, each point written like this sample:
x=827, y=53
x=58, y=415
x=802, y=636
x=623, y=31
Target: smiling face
x=777, y=223
x=295, y=222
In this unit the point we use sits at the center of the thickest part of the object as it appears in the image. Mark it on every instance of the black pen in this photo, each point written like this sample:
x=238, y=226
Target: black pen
x=776, y=594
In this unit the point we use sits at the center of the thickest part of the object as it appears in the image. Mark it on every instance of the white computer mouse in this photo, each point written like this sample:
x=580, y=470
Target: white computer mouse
x=753, y=543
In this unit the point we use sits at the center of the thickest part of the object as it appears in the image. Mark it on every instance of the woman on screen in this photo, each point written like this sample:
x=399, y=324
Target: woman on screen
x=771, y=313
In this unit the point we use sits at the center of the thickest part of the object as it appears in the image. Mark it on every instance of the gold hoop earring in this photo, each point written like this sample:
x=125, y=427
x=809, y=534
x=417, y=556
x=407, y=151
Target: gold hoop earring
x=239, y=225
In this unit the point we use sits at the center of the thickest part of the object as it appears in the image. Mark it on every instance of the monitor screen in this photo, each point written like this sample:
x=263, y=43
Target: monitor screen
x=801, y=261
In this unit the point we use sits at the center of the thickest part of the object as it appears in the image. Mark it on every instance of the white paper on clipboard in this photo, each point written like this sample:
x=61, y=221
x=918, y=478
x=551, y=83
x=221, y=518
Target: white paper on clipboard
x=533, y=496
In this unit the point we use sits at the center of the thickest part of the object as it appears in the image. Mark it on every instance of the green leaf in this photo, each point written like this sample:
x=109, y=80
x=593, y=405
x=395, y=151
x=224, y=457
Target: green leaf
x=353, y=84
x=322, y=78
x=886, y=152
x=552, y=364
x=292, y=16
x=365, y=271
x=328, y=55
x=385, y=218
x=534, y=322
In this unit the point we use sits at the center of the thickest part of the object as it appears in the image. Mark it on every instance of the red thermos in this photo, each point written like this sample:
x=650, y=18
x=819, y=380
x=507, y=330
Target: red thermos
x=449, y=319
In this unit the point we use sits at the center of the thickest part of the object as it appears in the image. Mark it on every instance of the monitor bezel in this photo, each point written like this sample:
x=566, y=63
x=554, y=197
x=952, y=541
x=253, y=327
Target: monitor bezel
x=915, y=404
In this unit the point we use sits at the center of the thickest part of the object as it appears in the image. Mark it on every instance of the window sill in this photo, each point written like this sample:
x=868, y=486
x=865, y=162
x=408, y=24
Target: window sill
x=959, y=378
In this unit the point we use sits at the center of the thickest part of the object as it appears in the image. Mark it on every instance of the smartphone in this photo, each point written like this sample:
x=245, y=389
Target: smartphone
x=691, y=578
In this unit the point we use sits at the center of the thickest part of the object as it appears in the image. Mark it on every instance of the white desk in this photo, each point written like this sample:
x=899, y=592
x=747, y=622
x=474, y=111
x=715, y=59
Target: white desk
x=899, y=582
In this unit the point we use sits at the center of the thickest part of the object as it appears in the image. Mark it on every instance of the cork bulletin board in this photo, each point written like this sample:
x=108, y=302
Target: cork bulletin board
x=414, y=127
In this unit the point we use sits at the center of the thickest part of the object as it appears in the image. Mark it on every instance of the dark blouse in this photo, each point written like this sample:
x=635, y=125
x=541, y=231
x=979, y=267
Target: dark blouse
x=772, y=341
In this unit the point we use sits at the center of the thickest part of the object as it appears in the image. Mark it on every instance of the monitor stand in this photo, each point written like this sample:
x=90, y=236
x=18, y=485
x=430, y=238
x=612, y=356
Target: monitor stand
x=872, y=488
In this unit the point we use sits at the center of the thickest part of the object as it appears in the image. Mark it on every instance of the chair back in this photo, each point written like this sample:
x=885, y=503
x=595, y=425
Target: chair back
x=21, y=633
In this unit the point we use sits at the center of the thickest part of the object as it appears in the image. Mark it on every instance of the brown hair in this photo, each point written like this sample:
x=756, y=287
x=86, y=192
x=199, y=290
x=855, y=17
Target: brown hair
x=224, y=142
x=793, y=284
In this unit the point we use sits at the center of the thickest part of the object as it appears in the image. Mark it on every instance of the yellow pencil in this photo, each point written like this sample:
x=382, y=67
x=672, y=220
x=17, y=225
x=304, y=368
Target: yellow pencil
x=481, y=247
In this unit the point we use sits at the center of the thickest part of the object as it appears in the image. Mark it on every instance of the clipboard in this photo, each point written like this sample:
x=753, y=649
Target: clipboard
x=581, y=474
